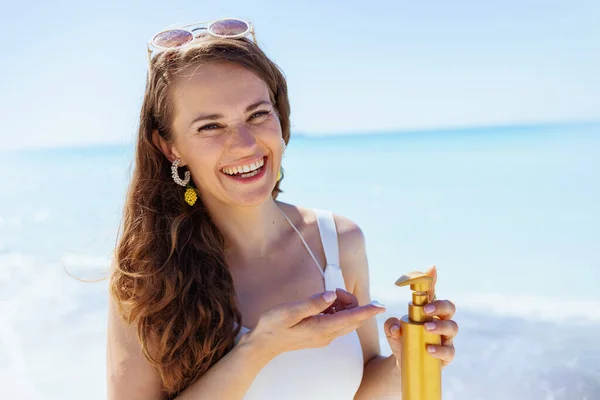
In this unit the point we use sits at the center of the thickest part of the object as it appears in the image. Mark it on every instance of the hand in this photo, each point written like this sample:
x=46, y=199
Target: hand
x=310, y=323
x=444, y=326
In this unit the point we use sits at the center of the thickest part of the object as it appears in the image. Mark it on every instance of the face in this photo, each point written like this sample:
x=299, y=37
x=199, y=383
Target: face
x=217, y=150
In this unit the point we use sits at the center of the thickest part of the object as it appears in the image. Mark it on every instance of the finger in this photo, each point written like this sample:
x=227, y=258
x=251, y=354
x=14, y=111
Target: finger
x=432, y=271
x=393, y=333
x=392, y=328
x=355, y=325
x=446, y=328
x=444, y=309
x=297, y=311
x=447, y=341
x=431, y=293
x=329, y=310
x=347, y=319
x=345, y=300
x=444, y=353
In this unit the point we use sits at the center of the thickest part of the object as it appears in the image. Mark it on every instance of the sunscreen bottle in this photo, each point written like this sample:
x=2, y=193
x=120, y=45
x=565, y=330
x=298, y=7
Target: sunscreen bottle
x=421, y=372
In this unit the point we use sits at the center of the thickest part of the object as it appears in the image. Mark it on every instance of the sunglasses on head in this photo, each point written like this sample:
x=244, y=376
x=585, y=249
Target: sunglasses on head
x=180, y=37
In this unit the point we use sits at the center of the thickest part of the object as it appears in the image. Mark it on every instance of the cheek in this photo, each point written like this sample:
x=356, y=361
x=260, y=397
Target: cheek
x=272, y=133
x=202, y=158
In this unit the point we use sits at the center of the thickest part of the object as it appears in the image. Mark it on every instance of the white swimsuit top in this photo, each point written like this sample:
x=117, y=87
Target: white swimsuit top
x=333, y=372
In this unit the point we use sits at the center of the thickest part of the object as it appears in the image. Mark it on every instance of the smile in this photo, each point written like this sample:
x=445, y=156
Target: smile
x=247, y=173
x=245, y=169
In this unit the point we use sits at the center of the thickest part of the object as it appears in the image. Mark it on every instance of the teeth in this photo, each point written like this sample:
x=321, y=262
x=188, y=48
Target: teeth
x=250, y=174
x=244, y=168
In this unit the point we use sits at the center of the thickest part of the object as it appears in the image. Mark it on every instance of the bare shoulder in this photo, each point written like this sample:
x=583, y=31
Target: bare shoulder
x=350, y=237
x=349, y=233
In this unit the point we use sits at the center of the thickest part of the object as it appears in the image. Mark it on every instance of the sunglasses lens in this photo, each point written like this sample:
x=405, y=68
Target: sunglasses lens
x=228, y=27
x=173, y=38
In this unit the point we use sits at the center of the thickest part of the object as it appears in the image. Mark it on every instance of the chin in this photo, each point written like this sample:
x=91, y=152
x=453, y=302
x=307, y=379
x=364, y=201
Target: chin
x=252, y=198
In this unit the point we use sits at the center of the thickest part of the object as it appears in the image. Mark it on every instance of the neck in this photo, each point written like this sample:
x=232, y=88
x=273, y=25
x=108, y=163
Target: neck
x=249, y=232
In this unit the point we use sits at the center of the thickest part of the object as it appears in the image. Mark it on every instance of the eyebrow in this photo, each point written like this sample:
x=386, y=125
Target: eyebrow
x=217, y=116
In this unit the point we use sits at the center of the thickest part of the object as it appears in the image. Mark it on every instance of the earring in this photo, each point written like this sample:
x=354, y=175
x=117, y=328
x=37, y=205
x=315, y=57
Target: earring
x=190, y=196
x=175, y=174
x=283, y=145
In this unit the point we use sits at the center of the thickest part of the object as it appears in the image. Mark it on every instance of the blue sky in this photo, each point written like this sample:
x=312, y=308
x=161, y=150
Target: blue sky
x=73, y=73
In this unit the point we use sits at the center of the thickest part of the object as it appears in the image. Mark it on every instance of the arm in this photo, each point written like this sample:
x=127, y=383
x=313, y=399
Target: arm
x=381, y=380
x=381, y=377
x=131, y=377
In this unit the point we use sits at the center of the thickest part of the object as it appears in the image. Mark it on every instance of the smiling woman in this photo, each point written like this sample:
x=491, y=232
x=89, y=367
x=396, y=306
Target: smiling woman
x=243, y=132
x=221, y=291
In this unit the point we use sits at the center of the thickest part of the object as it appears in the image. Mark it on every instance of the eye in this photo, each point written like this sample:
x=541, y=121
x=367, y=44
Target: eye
x=260, y=113
x=253, y=116
x=205, y=127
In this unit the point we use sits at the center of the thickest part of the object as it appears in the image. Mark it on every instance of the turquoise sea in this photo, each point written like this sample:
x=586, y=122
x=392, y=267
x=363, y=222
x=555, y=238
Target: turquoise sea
x=510, y=216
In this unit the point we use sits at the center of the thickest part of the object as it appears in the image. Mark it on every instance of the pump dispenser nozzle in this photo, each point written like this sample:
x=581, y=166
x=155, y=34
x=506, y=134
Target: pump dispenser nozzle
x=421, y=372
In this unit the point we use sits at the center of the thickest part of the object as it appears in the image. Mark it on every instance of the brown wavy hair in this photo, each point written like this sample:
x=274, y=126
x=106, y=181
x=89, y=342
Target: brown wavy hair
x=169, y=275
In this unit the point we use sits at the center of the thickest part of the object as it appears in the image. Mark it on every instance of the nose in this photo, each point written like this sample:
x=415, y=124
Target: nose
x=243, y=140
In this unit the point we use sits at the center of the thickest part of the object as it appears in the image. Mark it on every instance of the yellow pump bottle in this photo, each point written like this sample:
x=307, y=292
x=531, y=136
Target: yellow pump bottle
x=421, y=372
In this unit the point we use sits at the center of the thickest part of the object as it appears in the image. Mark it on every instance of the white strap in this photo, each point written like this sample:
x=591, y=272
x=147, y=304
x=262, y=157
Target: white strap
x=329, y=236
x=305, y=244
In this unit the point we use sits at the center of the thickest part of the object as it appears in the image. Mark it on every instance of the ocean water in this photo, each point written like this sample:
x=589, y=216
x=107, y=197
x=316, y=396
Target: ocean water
x=509, y=215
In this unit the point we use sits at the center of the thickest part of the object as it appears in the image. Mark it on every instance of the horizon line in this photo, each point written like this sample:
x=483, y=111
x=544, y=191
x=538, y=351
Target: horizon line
x=315, y=135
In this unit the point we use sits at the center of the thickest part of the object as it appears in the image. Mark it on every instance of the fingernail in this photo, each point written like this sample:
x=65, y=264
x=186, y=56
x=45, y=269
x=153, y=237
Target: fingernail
x=430, y=326
x=431, y=349
x=329, y=296
x=429, y=308
x=377, y=304
x=394, y=329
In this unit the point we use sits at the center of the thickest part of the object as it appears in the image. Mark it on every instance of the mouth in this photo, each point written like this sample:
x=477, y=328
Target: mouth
x=247, y=173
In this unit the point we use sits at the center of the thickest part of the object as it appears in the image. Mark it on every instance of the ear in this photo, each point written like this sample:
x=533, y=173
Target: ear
x=167, y=148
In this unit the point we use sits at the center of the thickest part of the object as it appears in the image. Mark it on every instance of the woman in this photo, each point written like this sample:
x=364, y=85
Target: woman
x=218, y=290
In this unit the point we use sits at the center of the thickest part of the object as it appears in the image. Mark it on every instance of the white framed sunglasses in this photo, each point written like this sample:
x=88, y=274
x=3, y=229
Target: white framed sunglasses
x=172, y=38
